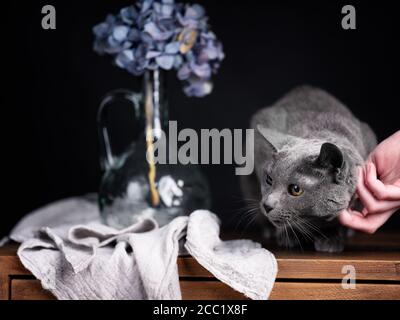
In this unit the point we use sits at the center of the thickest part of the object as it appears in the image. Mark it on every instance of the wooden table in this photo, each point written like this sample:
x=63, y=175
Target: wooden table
x=302, y=274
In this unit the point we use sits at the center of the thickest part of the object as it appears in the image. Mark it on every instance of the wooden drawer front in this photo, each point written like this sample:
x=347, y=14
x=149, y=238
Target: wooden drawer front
x=191, y=290
x=334, y=291
x=314, y=266
x=215, y=290
x=22, y=289
x=208, y=290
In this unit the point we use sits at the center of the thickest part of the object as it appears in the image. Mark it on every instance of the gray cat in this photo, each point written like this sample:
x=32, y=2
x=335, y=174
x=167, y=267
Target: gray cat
x=307, y=148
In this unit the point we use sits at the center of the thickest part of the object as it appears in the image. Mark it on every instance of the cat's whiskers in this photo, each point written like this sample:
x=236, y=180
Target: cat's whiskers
x=295, y=234
x=287, y=238
x=307, y=223
x=304, y=227
x=242, y=211
x=249, y=213
x=284, y=235
x=248, y=224
x=312, y=226
x=306, y=233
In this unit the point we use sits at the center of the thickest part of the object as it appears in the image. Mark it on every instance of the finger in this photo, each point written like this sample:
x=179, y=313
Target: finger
x=368, y=224
x=380, y=207
x=371, y=204
x=351, y=212
x=364, y=212
x=377, y=187
x=346, y=217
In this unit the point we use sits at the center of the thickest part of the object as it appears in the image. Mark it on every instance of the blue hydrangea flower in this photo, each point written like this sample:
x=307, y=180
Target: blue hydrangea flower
x=162, y=34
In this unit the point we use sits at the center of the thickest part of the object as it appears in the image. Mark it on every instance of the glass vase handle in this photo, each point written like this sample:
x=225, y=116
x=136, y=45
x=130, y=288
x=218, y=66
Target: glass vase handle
x=107, y=158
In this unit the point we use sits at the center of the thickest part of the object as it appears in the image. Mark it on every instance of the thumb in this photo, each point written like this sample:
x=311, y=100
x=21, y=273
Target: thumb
x=368, y=224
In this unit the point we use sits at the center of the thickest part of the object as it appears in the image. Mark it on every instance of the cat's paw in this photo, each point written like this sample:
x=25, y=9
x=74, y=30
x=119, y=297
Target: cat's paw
x=329, y=245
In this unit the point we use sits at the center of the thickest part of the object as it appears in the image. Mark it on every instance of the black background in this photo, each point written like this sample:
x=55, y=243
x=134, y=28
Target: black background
x=53, y=82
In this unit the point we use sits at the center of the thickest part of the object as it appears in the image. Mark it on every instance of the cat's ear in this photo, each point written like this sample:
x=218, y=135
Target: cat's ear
x=330, y=156
x=274, y=138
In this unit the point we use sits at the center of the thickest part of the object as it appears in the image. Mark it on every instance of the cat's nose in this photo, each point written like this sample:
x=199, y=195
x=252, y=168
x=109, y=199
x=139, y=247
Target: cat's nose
x=267, y=208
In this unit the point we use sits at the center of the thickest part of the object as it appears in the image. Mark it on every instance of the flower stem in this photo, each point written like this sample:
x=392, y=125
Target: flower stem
x=154, y=196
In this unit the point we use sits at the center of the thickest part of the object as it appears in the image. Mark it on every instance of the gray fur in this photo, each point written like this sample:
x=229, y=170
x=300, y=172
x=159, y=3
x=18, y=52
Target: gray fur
x=311, y=139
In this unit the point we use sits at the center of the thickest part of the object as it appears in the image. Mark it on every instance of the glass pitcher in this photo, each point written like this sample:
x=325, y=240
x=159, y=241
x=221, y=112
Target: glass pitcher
x=133, y=187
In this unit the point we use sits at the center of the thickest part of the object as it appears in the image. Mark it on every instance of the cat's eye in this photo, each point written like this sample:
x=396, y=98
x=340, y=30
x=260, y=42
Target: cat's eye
x=295, y=190
x=268, y=180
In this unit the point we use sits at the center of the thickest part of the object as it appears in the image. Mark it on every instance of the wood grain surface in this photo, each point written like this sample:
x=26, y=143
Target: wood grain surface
x=302, y=274
x=22, y=289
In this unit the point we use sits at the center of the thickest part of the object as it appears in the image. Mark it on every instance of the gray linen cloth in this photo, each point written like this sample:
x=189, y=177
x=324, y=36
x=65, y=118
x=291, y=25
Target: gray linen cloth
x=75, y=256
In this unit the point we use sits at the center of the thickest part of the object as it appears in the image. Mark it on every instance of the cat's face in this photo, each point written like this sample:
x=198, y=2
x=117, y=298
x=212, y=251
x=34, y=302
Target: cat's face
x=298, y=184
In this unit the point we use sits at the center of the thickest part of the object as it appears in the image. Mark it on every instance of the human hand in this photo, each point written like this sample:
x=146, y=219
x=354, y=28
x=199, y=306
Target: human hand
x=378, y=188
